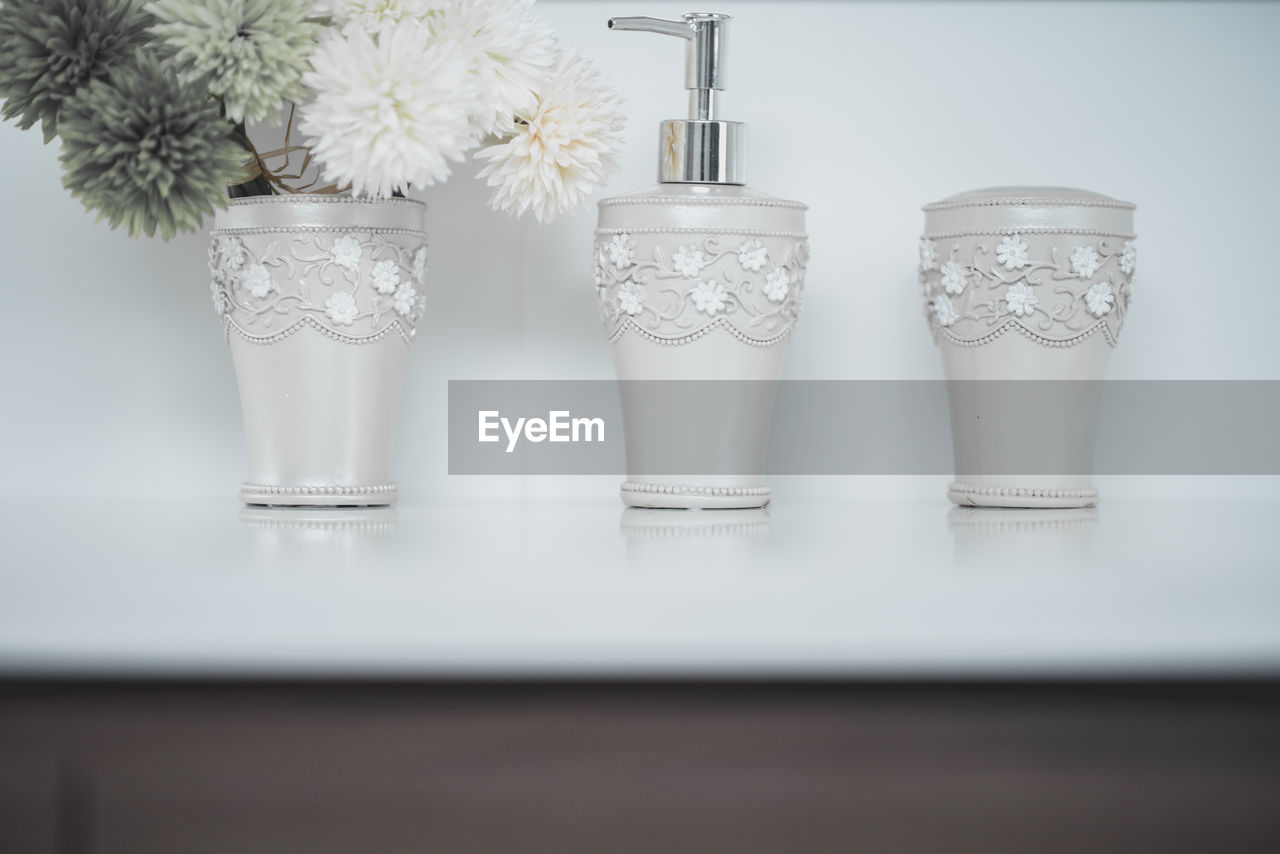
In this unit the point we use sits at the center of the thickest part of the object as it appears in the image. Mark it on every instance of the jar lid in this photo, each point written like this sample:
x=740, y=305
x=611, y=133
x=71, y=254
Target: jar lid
x=998, y=210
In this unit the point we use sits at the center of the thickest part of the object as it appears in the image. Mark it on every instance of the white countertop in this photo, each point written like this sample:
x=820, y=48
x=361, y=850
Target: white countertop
x=902, y=587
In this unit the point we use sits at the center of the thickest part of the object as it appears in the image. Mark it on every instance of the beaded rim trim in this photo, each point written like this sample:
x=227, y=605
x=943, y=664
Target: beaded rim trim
x=315, y=229
x=750, y=232
x=718, y=323
x=702, y=200
x=1019, y=492
x=269, y=491
x=703, y=491
x=1030, y=229
x=1039, y=339
x=307, y=320
x=322, y=198
x=1023, y=201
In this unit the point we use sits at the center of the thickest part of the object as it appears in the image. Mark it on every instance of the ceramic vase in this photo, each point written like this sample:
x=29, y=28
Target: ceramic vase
x=1025, y=290
x=319, y=297
x=699, y=291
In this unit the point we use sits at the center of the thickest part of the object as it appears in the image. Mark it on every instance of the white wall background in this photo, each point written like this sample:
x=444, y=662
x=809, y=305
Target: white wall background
x=116, y=381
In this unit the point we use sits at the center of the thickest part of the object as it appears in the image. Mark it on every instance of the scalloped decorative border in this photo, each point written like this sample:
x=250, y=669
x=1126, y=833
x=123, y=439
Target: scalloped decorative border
x=719, y=323
x=1039, y=339
x=702, y=491
x=307, y=320
x=1024, y=201
x=701, y=200
x=692, y=229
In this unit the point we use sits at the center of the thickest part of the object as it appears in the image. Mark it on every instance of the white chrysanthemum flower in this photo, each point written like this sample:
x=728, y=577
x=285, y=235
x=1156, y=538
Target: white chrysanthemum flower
x=1085, y=261
x=1013, y=252
x=257, y=279
x=386, y=276
x=953, y=278
x=752, y=255
x=341, y=308
x=1099, y=299
x=509, y=54
x=944, y=310
x=688, y=261
x=776, y=285
x=562, y=148
x=631, y=299
x=371, y=16
x=346, y=252
x=709, y=297
x=388, y=112
x=405, y=299
x=1020, y=299
x=420, y=264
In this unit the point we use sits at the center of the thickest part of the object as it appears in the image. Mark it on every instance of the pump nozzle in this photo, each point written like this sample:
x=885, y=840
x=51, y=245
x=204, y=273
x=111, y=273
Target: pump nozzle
x=701, y=149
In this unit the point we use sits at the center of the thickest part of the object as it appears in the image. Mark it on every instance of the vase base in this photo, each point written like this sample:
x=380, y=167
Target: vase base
x=692, y=497
x=972, y=495
x=319, y=496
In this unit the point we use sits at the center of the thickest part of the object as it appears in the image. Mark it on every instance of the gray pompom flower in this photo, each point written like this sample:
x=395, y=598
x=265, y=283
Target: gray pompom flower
x=50, y=48
x=147, y=151
x=249, y=53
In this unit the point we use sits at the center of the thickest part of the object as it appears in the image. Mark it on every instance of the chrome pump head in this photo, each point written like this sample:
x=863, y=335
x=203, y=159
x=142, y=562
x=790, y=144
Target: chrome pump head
x=701, y=149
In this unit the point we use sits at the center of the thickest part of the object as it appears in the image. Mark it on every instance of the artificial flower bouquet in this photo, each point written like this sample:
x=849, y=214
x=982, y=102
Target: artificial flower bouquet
x=155, y=102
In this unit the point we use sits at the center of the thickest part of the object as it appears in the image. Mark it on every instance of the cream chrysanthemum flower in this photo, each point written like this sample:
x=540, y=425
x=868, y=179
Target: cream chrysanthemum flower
x=560, y=150
x=388, y=111
x=509, y=52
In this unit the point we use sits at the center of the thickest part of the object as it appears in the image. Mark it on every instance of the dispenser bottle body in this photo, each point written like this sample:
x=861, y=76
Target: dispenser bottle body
x=700, y=289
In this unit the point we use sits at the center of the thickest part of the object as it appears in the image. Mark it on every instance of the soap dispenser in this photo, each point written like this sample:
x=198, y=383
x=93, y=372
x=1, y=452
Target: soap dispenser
x=699, y=280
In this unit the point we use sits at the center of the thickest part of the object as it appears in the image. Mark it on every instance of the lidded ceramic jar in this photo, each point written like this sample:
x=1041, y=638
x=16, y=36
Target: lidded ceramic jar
x=1025, y=291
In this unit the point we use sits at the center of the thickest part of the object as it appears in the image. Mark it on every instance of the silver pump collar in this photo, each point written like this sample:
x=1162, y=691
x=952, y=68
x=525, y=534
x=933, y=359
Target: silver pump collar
x=702, y=149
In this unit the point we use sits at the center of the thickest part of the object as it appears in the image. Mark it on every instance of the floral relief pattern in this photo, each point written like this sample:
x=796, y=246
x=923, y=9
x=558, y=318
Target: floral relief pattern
x=1012, y=252
x=953, y=278
x=257, y=279
x=1099, y=299
x=1058, y=288
x=357, y=283
x=673, y=286
x=1085, y=261
x=928, y=254
x=752, y=255
x=689, y=261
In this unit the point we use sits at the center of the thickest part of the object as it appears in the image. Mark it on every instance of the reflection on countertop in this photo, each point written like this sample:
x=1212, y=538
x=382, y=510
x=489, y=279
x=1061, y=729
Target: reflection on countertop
x=902, y=586
x=1005, y=535
x=665, y=538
